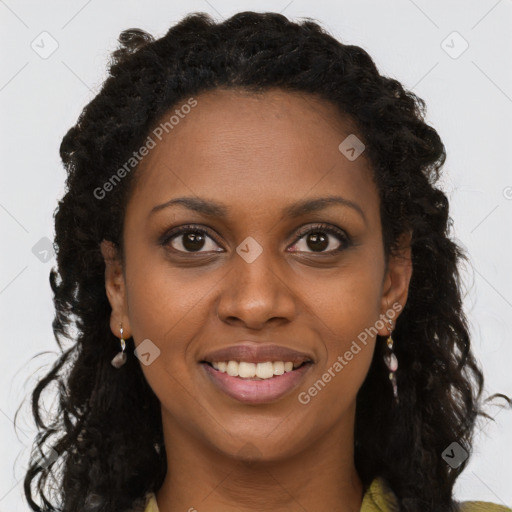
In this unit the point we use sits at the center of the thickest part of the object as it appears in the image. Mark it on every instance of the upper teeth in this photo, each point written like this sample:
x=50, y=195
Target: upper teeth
x=260, y=370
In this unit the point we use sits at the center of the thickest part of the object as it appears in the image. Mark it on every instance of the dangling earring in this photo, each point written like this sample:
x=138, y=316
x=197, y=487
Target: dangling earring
x=391, y=361
x=120, y=358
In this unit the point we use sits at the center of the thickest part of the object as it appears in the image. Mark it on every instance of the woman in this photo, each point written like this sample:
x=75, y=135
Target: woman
x=267, y=303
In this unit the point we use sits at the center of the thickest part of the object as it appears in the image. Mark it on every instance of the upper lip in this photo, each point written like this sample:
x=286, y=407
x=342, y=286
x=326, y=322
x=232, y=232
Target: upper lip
x=256, y=353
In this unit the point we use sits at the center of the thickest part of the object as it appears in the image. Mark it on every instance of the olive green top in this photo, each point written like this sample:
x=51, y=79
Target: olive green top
x=379, y=498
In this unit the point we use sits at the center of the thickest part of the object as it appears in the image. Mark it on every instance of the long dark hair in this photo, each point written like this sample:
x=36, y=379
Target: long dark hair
x=106, y=436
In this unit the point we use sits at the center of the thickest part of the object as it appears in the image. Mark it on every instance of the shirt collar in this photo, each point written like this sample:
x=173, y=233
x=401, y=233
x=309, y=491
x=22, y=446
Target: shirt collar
x=377, y=498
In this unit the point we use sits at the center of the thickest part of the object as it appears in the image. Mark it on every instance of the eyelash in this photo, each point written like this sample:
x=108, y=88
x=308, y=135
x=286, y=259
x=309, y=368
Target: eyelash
x=323, y=228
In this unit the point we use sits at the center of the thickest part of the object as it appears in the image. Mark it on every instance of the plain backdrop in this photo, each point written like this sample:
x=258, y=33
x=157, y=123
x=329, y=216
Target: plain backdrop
x=454, y=54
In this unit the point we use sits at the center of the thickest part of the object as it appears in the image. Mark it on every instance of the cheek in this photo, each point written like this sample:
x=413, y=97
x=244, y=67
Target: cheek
x=347, y=301
x=167, y=306
x=347, y=305
x=346, y=315
x=167, y=309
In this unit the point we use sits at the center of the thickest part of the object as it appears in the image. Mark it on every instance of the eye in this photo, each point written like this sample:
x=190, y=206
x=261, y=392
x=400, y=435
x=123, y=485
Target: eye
x=318, y=239
x=188, y=239
x=191, y=239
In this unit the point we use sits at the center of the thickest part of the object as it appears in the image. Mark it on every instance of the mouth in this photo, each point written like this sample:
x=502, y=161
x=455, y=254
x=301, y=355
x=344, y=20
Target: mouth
x=256, y=371
x=256, y=383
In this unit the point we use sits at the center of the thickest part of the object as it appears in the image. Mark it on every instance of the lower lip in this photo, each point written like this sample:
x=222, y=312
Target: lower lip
x=256, y=391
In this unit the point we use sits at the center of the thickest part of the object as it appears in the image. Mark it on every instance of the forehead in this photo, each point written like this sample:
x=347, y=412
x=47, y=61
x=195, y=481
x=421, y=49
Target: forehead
x=239, y=147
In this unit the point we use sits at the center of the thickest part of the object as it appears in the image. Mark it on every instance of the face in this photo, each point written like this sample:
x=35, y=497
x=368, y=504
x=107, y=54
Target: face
x=254, y=268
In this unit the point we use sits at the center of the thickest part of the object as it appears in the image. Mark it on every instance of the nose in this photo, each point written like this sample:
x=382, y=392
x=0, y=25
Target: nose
x=256, y=293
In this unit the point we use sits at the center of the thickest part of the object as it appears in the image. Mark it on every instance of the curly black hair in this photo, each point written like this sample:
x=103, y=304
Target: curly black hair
x=106, y=436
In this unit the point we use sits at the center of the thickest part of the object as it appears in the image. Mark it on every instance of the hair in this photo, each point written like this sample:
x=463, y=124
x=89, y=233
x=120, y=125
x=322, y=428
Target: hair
x=106, y=434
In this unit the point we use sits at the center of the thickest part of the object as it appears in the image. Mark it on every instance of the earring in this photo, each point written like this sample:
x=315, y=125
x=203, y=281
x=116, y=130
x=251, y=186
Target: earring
x=120, y=358
x=391, y=361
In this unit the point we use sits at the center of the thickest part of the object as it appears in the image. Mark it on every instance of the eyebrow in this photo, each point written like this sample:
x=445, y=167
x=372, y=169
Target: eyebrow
x=213, y=209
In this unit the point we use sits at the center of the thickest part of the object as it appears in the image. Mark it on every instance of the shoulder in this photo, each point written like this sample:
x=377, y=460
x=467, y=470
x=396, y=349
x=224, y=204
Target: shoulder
x=151, y=505
x=380, y=498
x=482, y=506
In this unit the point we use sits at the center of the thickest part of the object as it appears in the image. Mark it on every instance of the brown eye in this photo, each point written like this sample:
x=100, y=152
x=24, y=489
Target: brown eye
x=319, y=238
x=189, y=239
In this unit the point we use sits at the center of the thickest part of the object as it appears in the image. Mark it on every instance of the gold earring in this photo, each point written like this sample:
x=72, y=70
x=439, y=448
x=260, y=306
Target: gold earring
x=391, y=361
x=120, y=358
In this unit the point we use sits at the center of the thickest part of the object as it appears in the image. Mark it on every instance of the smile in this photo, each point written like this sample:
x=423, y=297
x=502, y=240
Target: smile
x=254, y=383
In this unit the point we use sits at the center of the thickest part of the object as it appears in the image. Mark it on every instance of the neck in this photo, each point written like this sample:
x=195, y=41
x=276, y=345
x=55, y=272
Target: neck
x=321, y=476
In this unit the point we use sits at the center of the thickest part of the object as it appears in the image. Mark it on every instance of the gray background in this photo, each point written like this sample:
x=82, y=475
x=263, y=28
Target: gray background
x=469, y=99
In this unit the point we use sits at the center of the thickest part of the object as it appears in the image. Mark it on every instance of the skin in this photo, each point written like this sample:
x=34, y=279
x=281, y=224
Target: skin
x=256, y=154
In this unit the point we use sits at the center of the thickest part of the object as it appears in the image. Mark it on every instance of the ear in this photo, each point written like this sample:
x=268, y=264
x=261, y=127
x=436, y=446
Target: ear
x=116, y=289
x=395, y=288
